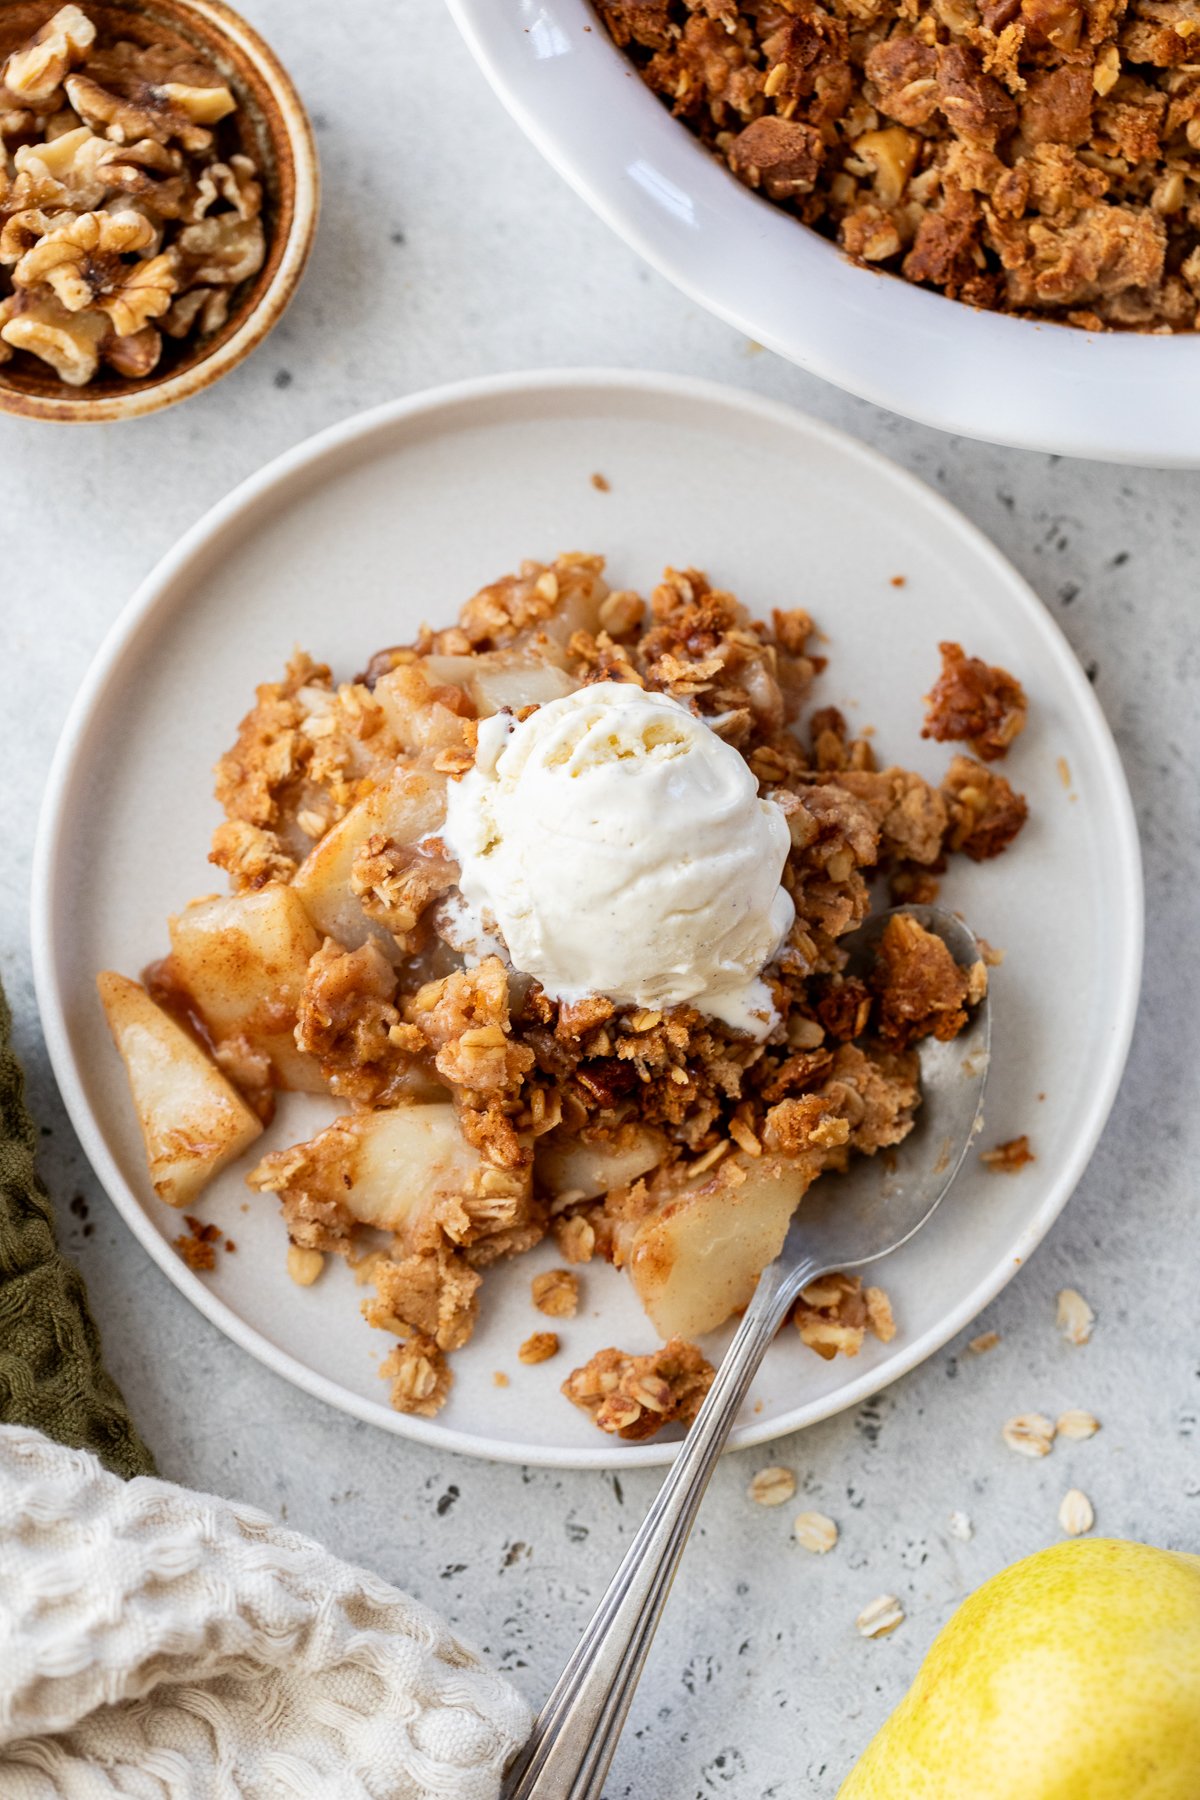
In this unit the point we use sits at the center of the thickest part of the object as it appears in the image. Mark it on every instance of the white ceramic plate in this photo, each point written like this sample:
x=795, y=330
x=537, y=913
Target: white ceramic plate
x=1120, y=397
x=347, y=543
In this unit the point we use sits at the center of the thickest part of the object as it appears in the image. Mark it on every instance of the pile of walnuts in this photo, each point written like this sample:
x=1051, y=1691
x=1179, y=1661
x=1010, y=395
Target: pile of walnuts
x=122, y=215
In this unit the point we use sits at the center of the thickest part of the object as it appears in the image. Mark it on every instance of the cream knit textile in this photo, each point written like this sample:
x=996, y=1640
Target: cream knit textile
x=157, y=1644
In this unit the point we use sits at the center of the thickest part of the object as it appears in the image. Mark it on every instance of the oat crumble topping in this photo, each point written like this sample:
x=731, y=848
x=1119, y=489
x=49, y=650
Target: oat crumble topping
x=1039, y=157
x=478, y=1115
x=635, y=1396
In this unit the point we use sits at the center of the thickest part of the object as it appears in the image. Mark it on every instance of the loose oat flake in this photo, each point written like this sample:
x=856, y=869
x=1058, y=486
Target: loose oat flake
x=1030, y=1434
x=817, y=1533
x=556, y=1292
x=987, y=1340
x=1075, y=1316
x=1077, y=1424
x=771, y=1487
x=880, y=1617
x=960, y=1527
x=1075, y=1514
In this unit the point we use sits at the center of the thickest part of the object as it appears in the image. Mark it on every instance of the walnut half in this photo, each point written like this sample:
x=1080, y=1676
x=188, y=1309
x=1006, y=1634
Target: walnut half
x=36, y=71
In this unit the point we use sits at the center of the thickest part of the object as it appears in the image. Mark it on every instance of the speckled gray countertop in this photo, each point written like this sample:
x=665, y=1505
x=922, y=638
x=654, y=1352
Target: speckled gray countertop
x=447, y=249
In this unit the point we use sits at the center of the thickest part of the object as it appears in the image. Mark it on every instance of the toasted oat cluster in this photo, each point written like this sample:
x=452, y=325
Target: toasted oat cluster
x=476, y=1114
x=1040, y=157
x=128, y=209
x=635, y=1396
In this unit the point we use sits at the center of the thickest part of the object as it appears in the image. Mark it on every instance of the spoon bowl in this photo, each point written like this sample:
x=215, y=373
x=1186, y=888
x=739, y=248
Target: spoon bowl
x=846, y=1221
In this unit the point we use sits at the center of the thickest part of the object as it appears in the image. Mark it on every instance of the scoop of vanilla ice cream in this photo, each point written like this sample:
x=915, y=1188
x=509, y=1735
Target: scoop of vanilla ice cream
x=621, y=848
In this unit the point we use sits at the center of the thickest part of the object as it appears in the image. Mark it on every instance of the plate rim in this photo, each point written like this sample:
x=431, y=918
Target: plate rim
x=1032, y=359
x=139, y=612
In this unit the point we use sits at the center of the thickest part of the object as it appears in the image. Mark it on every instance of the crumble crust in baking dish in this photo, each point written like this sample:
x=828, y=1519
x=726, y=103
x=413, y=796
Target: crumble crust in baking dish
x=1039, y=157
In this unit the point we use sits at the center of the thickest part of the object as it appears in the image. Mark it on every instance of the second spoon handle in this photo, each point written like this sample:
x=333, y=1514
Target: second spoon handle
x=576, y=1733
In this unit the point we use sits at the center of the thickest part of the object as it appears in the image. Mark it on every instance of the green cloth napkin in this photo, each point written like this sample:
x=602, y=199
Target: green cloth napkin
x=51, y=1373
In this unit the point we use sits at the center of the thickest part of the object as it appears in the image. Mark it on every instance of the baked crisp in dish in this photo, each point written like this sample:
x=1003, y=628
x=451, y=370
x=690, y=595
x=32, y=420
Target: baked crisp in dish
x=129, y=210
x=432, y=869
x=1039, y=157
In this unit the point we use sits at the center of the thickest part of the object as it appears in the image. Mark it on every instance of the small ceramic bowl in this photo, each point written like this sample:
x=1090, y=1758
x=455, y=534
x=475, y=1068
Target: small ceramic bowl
x=275, y=131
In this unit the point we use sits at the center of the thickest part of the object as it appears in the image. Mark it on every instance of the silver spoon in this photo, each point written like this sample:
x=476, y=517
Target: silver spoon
x=842, y=1223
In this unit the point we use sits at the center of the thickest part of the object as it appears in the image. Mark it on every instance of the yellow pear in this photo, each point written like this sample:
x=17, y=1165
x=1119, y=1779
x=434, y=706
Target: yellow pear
x=1074, y=1675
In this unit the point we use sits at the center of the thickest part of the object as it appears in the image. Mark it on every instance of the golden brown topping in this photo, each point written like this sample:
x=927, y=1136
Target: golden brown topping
x=833, y=1316
x=974, y=703
x=419, y=1377
x=433, y=1293
x=1034, y=156
x=920, y=989
x=635, y=1396
x=465, y=1019
x=485, y=1113
x=985, y=811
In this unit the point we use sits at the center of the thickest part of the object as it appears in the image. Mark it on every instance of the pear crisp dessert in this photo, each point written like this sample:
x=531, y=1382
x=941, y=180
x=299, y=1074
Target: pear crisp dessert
x=1039, y=157
x=130, y=212
x=550, y=903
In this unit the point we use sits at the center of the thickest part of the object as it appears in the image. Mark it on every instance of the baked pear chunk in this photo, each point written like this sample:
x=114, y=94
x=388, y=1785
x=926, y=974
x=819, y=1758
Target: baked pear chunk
x=241, y=960
x=695, y=1257
x=388, y=1169
x=192, y=1120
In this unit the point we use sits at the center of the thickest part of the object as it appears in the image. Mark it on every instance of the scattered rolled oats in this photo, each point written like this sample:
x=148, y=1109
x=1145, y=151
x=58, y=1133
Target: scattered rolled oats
x=1076, y=1514
x=1075, y=1316
x=771, y=1487
x=960, y=1527
x=880, y=1617
x=556, y=1293
x=1077, y=1424
x=538, y=1348
x=987, y=1340
x=817, y=1533
x=1030, y=1434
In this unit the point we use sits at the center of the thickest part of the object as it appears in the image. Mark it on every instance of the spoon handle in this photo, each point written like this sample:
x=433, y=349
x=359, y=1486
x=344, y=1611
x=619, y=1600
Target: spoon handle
x=572, y=1745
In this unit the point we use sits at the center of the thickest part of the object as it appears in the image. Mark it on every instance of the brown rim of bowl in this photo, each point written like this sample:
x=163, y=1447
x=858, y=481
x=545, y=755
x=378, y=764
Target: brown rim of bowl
x=297, y=179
